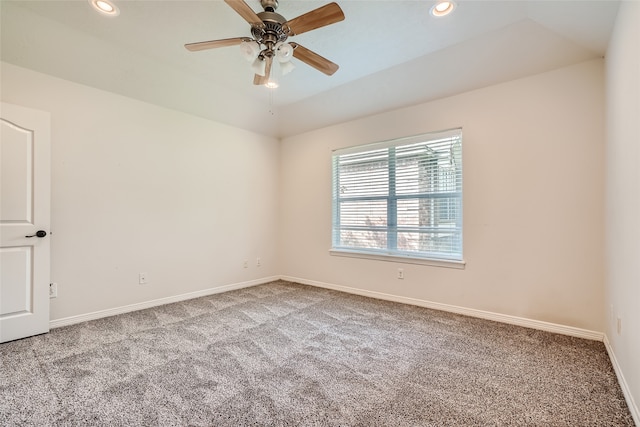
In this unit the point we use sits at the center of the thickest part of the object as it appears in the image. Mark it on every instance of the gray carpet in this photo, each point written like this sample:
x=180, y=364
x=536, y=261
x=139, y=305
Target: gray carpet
x=284, y=354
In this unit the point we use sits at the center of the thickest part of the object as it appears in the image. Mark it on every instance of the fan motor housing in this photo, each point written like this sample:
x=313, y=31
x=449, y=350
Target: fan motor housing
x=275, y=28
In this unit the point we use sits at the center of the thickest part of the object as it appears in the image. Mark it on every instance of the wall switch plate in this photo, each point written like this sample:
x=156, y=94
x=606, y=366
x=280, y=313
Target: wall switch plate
x=142, y=278
x=258, y=262
x=53, y=290
x=400, y=273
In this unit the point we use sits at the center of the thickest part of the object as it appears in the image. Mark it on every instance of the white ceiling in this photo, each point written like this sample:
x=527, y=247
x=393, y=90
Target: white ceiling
x=392, y=53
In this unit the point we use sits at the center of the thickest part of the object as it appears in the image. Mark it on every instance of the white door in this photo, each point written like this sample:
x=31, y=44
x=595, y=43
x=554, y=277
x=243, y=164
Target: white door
x=24, y=211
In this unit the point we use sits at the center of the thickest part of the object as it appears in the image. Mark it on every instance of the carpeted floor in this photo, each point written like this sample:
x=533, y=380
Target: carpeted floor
x=283, y=354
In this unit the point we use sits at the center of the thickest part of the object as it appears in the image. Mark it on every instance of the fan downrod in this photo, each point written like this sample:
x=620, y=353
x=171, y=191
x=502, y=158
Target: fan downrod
x=269, y=5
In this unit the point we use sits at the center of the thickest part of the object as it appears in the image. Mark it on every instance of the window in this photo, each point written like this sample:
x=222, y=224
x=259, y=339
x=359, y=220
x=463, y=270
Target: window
x=400, y=198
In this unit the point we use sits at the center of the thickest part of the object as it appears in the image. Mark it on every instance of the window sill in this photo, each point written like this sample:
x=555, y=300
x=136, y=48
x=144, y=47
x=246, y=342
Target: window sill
x=460, y=265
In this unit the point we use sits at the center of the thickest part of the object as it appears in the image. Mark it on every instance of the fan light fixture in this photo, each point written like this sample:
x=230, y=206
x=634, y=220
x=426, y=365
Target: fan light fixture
x=259, y=67
x=284, y=52
x=105, y=7
x=442, y=8
x=281, y=52
x=250, y=50
x=286, y=67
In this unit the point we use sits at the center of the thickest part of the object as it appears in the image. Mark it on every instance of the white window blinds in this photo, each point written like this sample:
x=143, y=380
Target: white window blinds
x=400, y=197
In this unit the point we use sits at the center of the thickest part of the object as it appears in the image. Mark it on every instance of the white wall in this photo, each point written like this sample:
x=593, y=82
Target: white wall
x=533, y=200
x=623, y=197
x=139, y=188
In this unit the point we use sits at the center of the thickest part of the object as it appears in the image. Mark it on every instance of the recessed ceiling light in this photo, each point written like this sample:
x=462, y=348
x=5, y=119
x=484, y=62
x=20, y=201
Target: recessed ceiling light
x=105, y=7
x=271, y=84
x=442, y=8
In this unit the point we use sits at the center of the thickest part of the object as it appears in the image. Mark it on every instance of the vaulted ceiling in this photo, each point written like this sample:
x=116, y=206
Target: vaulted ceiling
x=392, y=53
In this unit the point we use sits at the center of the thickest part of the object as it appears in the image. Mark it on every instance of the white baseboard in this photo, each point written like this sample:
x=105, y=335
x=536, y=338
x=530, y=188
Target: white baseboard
x=633, y=408
x=156, y=302
x=504, y=318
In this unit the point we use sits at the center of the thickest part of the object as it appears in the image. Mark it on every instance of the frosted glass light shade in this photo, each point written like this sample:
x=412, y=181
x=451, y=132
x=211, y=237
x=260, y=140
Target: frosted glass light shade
x=250, y=50
x=286, y=67
x=259, y=67
x=284, y=52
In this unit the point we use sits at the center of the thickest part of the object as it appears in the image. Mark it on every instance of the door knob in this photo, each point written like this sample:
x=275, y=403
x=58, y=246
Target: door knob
x=39, y=233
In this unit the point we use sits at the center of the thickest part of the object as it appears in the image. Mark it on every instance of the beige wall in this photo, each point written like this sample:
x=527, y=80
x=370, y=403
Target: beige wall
x=623, y=197
x=533, y=200
x=136, y=188
x=139, y=188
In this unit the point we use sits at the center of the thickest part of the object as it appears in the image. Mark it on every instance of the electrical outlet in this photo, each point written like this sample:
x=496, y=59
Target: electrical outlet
x=245, y=264
x=258, y=262
x=142, y=278
x=53, y=290
x=619, y=325
x=400, y=273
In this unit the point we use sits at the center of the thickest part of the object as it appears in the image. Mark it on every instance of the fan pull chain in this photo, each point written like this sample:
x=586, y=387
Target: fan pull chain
x=271, y=101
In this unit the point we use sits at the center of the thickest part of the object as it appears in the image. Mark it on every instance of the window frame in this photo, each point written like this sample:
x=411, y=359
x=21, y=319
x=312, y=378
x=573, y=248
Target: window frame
x=391, y=229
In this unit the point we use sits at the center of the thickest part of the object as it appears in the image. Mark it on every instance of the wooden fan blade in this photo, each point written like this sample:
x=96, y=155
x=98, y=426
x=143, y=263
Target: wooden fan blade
x=320, y=17
x=263, y=80
x=245, y=11
x=313, y=59
x=193, y=47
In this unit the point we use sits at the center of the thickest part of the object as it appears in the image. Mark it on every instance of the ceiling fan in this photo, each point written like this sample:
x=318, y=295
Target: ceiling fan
x=270, y=31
